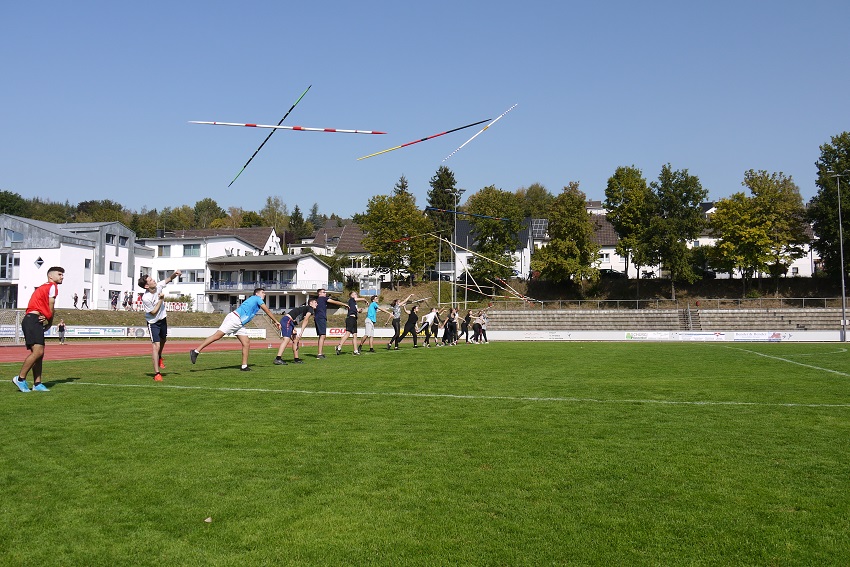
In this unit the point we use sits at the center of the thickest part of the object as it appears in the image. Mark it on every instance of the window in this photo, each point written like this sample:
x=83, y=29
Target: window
x=192, y=250
x=5, y=266
x=87, y=270
x=110, y=239
x=122, y=240
x=163, y=251
x=115, y=273
x=605, y=256
x=12, y=237
x=193, y=276
x=795, y=271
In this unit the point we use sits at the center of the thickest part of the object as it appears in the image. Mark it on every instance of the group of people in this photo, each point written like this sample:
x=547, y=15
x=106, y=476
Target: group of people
x=454, y=326
x=85, y=300
x=40, y=310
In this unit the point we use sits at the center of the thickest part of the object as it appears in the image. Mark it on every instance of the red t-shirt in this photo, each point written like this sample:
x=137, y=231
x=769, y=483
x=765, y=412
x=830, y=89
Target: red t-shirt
x=40, y=300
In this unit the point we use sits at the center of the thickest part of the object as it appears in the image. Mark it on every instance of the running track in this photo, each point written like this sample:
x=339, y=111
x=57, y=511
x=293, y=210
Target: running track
x=76, y=350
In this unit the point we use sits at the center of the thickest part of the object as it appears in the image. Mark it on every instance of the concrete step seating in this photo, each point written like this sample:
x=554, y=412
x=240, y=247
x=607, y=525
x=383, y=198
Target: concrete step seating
x=667, y=319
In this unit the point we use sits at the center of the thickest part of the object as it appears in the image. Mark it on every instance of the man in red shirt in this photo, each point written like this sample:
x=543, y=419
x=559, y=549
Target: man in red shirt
x=39, y=316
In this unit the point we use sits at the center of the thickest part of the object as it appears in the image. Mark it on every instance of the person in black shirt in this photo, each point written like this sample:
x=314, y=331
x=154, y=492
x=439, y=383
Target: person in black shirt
x=290, y=334
x=410, y=326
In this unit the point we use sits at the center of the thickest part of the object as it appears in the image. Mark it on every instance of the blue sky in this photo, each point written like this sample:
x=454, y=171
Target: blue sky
x=96, y=96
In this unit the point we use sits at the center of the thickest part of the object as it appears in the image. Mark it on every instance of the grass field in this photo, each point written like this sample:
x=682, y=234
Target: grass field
x=499, y=454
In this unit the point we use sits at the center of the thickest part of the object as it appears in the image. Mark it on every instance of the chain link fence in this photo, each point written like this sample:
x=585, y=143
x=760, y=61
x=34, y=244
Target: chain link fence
x=10, y=327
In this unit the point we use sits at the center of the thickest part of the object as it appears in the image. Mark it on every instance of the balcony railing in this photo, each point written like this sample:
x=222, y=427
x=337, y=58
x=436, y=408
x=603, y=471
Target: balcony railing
x=272, y=285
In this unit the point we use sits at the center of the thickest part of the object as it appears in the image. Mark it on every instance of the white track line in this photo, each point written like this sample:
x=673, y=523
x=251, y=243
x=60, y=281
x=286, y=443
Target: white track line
x=460, y=396
x=813, y=367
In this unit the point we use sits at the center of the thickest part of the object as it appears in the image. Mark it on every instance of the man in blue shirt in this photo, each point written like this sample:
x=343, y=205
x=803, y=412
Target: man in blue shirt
x=234, y=324
x=371, y=319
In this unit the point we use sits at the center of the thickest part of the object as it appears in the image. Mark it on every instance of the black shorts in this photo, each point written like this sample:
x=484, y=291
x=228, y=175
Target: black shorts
x=158, y=330
x=33, y=330
x=351, y=324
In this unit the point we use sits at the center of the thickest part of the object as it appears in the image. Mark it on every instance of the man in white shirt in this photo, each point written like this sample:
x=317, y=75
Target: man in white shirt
x=153, y=304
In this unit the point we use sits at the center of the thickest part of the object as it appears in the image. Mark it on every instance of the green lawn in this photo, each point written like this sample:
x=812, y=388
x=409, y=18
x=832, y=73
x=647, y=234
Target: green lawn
x=499, y=454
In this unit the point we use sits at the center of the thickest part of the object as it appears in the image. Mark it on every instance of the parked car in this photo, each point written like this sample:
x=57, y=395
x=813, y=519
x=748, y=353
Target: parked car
x=608, y=273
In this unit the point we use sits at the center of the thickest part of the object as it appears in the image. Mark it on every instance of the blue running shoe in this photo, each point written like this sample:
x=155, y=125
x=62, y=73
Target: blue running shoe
x=21, y=384
x=40, y=388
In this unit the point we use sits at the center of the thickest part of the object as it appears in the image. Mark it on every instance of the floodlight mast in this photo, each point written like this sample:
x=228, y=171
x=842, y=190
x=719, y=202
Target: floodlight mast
x=838, y=177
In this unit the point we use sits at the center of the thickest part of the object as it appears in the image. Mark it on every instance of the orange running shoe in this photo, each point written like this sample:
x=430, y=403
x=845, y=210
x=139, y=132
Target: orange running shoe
x=157, y=377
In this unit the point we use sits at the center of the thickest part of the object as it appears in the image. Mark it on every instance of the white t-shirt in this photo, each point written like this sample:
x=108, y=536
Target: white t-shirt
x=149, y=299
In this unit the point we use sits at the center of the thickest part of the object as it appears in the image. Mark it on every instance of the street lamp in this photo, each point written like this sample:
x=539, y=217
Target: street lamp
x=838, y=177
x=457, y=193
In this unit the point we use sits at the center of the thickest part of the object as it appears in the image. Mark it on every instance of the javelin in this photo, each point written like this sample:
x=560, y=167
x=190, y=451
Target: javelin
x=434, y=233
x=423, y=139
x=279, y=127
x=473, y=252
x=462, y=213
x=472, y=138
x=269, y=136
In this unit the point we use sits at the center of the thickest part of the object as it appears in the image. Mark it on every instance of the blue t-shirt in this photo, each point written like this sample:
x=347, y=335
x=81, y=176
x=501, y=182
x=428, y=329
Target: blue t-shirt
x=249, y=308
x=372, y=313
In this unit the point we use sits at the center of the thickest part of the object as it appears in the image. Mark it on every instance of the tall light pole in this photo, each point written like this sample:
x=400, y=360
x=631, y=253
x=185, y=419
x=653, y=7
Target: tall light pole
x=838, y=177
x=457, y=193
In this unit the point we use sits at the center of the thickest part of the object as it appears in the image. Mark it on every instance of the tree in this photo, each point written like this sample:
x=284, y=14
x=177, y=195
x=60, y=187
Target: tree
x=275, y=214
x=315, y=218
x=13, y=204
x=144, y=224
x=572, y=251
x=536, y=201
x=297, y=224
x=206, y=211
x=396, y=234
x=102, y=211
x=50, y=212
x=495, y=238
x=251, y=219
x=742, y=241
x=631, y=205
x=180, y=218
x=442, y=195
x=823, y=208
x=402, y=186
x=679, y=219
x=780, y=209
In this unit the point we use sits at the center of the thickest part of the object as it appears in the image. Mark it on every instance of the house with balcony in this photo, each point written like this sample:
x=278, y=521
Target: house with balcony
x=221, y=267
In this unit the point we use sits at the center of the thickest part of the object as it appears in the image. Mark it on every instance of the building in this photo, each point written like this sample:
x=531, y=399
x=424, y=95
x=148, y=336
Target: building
x=102, y=261
x=221, y=267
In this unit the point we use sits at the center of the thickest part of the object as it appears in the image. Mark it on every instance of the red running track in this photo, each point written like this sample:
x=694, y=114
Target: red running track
x=77, y=350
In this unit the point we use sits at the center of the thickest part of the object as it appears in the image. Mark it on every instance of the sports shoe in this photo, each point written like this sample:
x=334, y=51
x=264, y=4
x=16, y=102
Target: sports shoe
x=371, y=350
x=246, y=369
x=193, y=356
x=356, y=352
x=396, y=348
x=321, y=356
x=157, y=377
x=40, y=388
x=339, y=350
x=389, y=346
x=161, y=363
x=21, y=384
x=279, y=361
x=298, y=361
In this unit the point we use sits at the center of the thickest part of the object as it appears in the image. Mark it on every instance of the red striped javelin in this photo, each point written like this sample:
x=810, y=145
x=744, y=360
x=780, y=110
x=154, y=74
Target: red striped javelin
x=279, y=127
x=423, y=139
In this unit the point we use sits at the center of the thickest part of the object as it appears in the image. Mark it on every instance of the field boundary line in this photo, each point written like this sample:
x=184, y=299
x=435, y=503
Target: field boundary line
x=812, y=366
x=461, y=396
